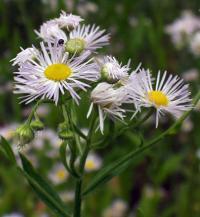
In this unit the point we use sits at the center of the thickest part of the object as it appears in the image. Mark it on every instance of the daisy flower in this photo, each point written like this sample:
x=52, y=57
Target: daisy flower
x=25, y=55
x=93, y=162
x=169, y=95
x=52, y=73
x=58, y=174
x=50, y=31
x=68, y=21
x=86, y=38
x=183, y=27
x=108, y=101
x=195, y=44
x=111, y=70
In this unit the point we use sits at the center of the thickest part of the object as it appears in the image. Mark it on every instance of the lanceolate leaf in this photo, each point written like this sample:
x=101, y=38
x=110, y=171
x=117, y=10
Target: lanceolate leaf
x=43, y=189
x=118, y=166
x=7, y=149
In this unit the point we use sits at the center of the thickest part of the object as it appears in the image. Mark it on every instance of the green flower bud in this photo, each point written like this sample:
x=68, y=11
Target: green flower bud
x=105, y=75
x=64, y=132
x=75, y=45
x=25, y=134
x=62, y=126
x=37, y=125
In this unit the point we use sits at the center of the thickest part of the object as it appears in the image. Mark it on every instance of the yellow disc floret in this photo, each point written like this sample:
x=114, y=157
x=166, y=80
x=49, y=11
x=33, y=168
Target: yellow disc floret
x=58, y=72
x=158, y=98
x=61, y=174
x=90, y=165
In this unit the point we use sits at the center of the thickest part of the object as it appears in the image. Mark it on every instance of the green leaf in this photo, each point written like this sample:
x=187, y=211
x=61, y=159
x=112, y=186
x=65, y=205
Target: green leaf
x=114, y=169
x=43, y=189
x=7, y=149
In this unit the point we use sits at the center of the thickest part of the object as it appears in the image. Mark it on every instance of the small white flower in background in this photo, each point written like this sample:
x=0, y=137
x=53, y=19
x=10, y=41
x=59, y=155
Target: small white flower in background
x=117, y=209
x=187, y=125
x=8, y=131
x=53, y=73
x=93, y=162
x=108, y=101
x=191, y=75
x=111, y=70
x=169, y=95
x=58, y=174
x=50, y=31
x=183, y=27
x=67, y=196
x=25, y=55
x=198, y=153
x=46, y=135
x=68, y=21
x=195, y=44
x=13, y=215
x=86, y=37
x=133, y=21
x=84, y=8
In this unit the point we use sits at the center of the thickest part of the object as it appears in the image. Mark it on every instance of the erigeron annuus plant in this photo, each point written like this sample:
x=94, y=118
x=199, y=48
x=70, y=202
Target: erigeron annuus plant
x=66, y=64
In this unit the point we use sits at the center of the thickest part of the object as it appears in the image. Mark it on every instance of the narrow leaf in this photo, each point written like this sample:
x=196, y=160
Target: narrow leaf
x=7, y=149
x=115, y=168
x=43, y=189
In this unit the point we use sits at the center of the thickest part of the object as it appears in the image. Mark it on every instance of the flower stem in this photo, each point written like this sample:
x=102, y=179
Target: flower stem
x=79, y=182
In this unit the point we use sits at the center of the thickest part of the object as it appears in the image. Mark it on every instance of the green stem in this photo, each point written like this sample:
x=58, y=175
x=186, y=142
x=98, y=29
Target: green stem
x=30, y=117
x=78, y=131
x=71, y=144
x=78, y=191
x=39, y=102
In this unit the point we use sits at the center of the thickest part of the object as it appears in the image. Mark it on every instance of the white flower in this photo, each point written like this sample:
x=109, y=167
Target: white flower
x=195, y=44
x=108, y=101
x=86, y=38
x=169, y=95
x=58, y=174
x=25, y=55
x=117, y=209
x=50, y=31
x=52, y=73
x=67, y=196
x=187, y=125
x=93, y=162
x=191, y=75
x=111, y=70
x=8, y=131
x=183, y=27
x=68, y=21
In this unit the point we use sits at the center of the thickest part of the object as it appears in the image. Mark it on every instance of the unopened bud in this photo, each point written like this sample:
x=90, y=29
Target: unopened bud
x=75, y=45
x=25, y=134
x=64, y=132
x=37, y=125
x=106, y=75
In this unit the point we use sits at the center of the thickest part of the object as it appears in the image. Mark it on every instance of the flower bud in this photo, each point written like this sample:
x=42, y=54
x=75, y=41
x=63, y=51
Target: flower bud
x=25, y=134
x=64, y=132
x=75, y=45
x=37, y=125
x=106, y=75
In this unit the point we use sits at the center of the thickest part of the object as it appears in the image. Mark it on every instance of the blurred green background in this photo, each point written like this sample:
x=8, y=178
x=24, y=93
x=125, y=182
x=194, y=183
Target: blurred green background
x=165, y=182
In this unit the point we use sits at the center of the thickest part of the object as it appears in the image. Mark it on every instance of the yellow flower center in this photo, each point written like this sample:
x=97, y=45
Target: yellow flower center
x=90, y=165
x=61, y=174
x=58, y=72
x=158, y=98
